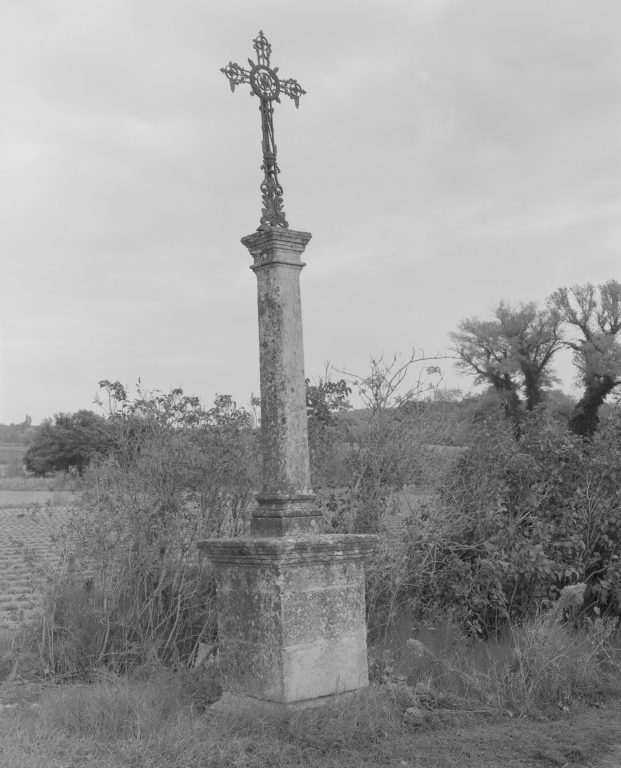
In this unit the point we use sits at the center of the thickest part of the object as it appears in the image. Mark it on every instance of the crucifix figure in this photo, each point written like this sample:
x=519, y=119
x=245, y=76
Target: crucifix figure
x=266, y=84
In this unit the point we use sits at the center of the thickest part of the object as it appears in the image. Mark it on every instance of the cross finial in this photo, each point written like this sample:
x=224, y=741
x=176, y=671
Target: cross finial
x=266, y=84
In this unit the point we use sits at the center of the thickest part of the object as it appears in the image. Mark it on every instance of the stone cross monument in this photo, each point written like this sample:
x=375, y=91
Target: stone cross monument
x=291, y=604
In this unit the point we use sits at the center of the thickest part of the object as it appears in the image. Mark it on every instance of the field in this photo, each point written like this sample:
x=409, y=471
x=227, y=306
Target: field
x=10, y=499
x=9, y=451
x=26, y=527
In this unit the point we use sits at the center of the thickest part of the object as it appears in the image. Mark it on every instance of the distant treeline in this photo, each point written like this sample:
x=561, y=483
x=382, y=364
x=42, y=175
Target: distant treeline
x=22, y=434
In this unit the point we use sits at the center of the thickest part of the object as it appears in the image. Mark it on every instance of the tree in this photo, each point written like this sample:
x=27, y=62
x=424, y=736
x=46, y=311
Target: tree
x=597, y=352
x=18, y=433
x=512, y=352
x=326, y=401
x=69, y=441
x=326, y=398
x=534, y=335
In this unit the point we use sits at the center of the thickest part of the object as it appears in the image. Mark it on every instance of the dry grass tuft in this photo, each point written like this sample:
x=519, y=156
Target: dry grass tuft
x=159, y=723
x=547, y=665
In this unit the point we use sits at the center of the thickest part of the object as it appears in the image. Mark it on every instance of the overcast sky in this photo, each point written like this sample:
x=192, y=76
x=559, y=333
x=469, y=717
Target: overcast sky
x=448, y=154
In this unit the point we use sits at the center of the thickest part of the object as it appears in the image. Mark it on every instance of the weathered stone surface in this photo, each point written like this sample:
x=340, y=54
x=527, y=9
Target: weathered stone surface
x=291, y=615
x=286, y=504
x=291, y=608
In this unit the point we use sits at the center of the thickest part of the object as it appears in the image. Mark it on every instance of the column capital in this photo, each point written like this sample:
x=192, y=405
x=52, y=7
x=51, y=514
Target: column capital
x=277, y=246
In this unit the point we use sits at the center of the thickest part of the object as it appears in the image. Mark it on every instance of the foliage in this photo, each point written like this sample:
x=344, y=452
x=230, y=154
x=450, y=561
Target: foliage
x=69, y=441
x=559, y=407
x=391, y=443
x=21, y=434
x=512, y=352
x=554, y=661
x=326, y=402
x=545, y=664
x=515, y=522
x=173, y=455
x=597, y=352
x=15, y=466
x=326, y=398
x=129, y=586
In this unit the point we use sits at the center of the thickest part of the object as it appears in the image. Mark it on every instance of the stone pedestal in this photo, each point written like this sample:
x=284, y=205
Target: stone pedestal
x=291, y=617
x=286, y=504
x=291, y=606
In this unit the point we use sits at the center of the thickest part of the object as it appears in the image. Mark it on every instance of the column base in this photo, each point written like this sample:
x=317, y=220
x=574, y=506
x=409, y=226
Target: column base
x=291, y=617
x=286, y=515
x=235, y=702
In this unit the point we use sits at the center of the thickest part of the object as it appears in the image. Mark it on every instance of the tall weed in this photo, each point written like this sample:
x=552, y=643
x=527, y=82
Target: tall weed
x=128, y=585
x=513, y=523
x=546, y=664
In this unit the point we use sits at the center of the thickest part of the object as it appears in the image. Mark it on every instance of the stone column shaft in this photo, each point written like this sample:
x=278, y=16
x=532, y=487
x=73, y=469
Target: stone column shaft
x=291, y=607
x=286, y=504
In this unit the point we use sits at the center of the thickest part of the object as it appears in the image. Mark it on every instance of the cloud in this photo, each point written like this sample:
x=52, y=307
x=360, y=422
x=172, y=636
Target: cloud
x=446, y=155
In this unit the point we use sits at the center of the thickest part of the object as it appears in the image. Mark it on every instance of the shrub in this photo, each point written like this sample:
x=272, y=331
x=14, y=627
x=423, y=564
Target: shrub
x=515, y=522
x=68, y=442
x=129, y=585
x=390, y=443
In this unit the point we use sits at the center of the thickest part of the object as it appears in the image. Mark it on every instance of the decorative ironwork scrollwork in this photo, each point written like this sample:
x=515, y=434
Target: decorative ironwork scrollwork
x=266, y=84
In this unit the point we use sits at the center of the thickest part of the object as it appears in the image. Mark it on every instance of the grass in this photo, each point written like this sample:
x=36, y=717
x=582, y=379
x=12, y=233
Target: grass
x=163, y=722
x=59, y=483
x=10, y=451
x=545, y=695
x=538, y=669
x=24, y=491
x=20, y=499
x=24, y=484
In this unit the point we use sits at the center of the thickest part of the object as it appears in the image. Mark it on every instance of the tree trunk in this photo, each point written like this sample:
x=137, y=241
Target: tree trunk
x=506, y=388
x=584, y=419
x=532, y=387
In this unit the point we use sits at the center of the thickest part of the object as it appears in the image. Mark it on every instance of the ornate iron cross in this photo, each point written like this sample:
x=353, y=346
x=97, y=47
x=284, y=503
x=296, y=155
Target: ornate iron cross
x=267, y=86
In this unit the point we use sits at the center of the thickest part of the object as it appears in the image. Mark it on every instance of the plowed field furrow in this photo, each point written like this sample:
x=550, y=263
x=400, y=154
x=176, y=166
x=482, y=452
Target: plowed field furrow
x=20, y=530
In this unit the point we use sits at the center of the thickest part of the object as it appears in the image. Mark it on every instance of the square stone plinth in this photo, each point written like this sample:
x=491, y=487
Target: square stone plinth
x=291, y=616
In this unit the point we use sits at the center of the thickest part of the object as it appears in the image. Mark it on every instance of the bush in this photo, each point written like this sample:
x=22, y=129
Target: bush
x=393, y=442
x=129, y=586
x=68, y=442
x=515, y=522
